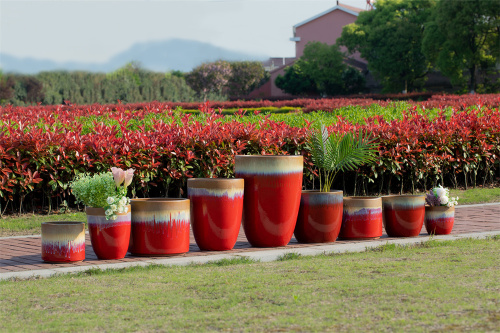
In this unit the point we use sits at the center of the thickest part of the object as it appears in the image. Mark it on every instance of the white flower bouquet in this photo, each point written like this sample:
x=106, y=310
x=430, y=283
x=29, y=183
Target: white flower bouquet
x=106, y=190
x=440, y=196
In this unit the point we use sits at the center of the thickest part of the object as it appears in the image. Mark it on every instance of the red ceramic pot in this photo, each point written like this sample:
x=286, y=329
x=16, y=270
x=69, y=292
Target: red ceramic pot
x=362, y=218
x=109, y=238
x=216, y=211
x=439, y=220
x=63, y=241
x=403, y=215
x=273, y=185
x=160, y=226
x=320, y=217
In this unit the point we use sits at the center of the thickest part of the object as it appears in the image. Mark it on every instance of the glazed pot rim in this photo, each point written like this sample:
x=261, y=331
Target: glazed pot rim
x=362, y=198
x=404, y=196
x=159, y=200
x=267, y=156
x=439, y=207
x=216, y=183
x=319, y=192
x=213, y=179
x=63, y=223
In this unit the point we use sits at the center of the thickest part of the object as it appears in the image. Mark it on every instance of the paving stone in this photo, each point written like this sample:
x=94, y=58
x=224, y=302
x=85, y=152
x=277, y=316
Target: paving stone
x=20, y=257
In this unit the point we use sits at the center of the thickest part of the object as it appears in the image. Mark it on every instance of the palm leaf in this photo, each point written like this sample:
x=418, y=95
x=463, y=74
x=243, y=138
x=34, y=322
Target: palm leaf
x=354, y=152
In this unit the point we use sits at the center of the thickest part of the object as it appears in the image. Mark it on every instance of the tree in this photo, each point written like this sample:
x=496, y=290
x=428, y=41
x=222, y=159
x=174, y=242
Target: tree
x=209, y=78
x=295, y=81
x=321, y=70
x=462, y=37
x=245, y=76
x=390, y=39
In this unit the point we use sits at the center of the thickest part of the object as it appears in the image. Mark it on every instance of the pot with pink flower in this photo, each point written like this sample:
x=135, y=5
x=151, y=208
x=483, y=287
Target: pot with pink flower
x=108, y=210
x=439, y=211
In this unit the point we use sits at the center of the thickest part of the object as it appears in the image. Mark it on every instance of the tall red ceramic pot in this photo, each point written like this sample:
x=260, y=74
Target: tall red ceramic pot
x=273, y=186
x=439, y=220
x=320, y=217
x=362, y=218
x=160, y=226
x=216, y=211
x=63, y=241
x=109, y=238
x=403, y=215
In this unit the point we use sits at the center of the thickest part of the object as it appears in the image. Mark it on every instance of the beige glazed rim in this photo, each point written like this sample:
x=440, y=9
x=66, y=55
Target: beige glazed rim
x=445, y=208
x=363, y=202
x=102, y=211
x=216, y=183
x=155, y=204
x=318, y=192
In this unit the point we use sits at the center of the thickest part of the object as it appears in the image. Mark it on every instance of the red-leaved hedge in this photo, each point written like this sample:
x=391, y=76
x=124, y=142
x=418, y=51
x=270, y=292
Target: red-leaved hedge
x=42, y=148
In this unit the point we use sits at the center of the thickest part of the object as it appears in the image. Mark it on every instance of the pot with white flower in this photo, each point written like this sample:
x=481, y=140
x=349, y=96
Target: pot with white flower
x=108, y=210
x=439, y=211
x=321, y=213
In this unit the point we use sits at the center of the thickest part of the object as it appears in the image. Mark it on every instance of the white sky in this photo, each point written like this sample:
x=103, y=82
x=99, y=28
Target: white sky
x=94, y=31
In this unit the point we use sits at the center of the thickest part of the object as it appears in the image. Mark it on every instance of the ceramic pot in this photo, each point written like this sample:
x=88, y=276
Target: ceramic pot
x=216, y=211
x=439, y=219
x=273, y=185
x=63, y=241
x=320, y=217
x=109, y=238
x=362, y=218
x=403, y=215
x=160, y=226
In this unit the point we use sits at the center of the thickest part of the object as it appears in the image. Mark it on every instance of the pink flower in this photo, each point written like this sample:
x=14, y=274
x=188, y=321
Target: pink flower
x=129, y=174
x=118, y=175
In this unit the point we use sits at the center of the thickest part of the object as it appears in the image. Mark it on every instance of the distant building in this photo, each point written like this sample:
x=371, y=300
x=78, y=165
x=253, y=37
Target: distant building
x=325, y=27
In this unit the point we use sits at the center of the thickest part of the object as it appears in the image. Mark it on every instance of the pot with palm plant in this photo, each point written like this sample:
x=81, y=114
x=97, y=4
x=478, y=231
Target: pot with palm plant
x=108, y=210
x=320, y=212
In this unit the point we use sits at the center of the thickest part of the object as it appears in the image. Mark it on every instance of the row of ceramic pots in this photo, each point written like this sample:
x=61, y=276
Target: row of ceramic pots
x=326, y=216
x=267, y=193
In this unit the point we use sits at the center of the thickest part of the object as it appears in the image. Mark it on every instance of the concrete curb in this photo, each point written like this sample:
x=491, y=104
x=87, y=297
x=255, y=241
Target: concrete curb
x=262, y=256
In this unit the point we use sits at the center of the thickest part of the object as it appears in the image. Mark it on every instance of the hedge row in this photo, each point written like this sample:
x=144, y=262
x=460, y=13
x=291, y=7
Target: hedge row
x=41, y=150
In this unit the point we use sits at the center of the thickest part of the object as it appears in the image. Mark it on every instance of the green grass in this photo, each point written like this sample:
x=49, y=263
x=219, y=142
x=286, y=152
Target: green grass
x=476, y=195
x=30, y=224
x=445, y=286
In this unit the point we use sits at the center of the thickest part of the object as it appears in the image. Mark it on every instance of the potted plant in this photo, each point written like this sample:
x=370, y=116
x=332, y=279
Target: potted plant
x=320, y=213
x=439, y=211
x=108, y=210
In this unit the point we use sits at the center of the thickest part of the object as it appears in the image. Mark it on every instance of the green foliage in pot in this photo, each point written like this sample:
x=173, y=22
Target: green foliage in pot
x=336, y=152
x=106, y=190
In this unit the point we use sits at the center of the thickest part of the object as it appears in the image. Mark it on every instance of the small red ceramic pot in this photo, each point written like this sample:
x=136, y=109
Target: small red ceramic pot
x=160, y=226
x=362, y=218
x=439, y=220
x=320, y=217
x=63, y=241
x=109, y=238
x=403, y=215
x=273, y=185
x=216, y=211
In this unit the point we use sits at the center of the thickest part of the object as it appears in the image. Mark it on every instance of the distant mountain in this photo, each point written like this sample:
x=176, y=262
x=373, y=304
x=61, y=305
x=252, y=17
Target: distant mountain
x=159, y=56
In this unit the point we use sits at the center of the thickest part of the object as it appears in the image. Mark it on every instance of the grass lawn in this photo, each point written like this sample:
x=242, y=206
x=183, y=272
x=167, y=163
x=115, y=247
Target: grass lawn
x=29, y=224
x=437, y=285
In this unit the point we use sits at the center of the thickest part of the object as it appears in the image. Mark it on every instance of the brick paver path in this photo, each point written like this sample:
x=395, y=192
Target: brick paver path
x=24, y=253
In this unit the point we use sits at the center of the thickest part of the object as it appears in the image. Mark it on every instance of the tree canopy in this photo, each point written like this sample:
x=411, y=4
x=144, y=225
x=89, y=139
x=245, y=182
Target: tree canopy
x=321, y=70
x=390, y=39
x=462, y=38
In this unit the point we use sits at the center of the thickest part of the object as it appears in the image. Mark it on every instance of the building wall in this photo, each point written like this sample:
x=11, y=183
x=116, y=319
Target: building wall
x=325, y=29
